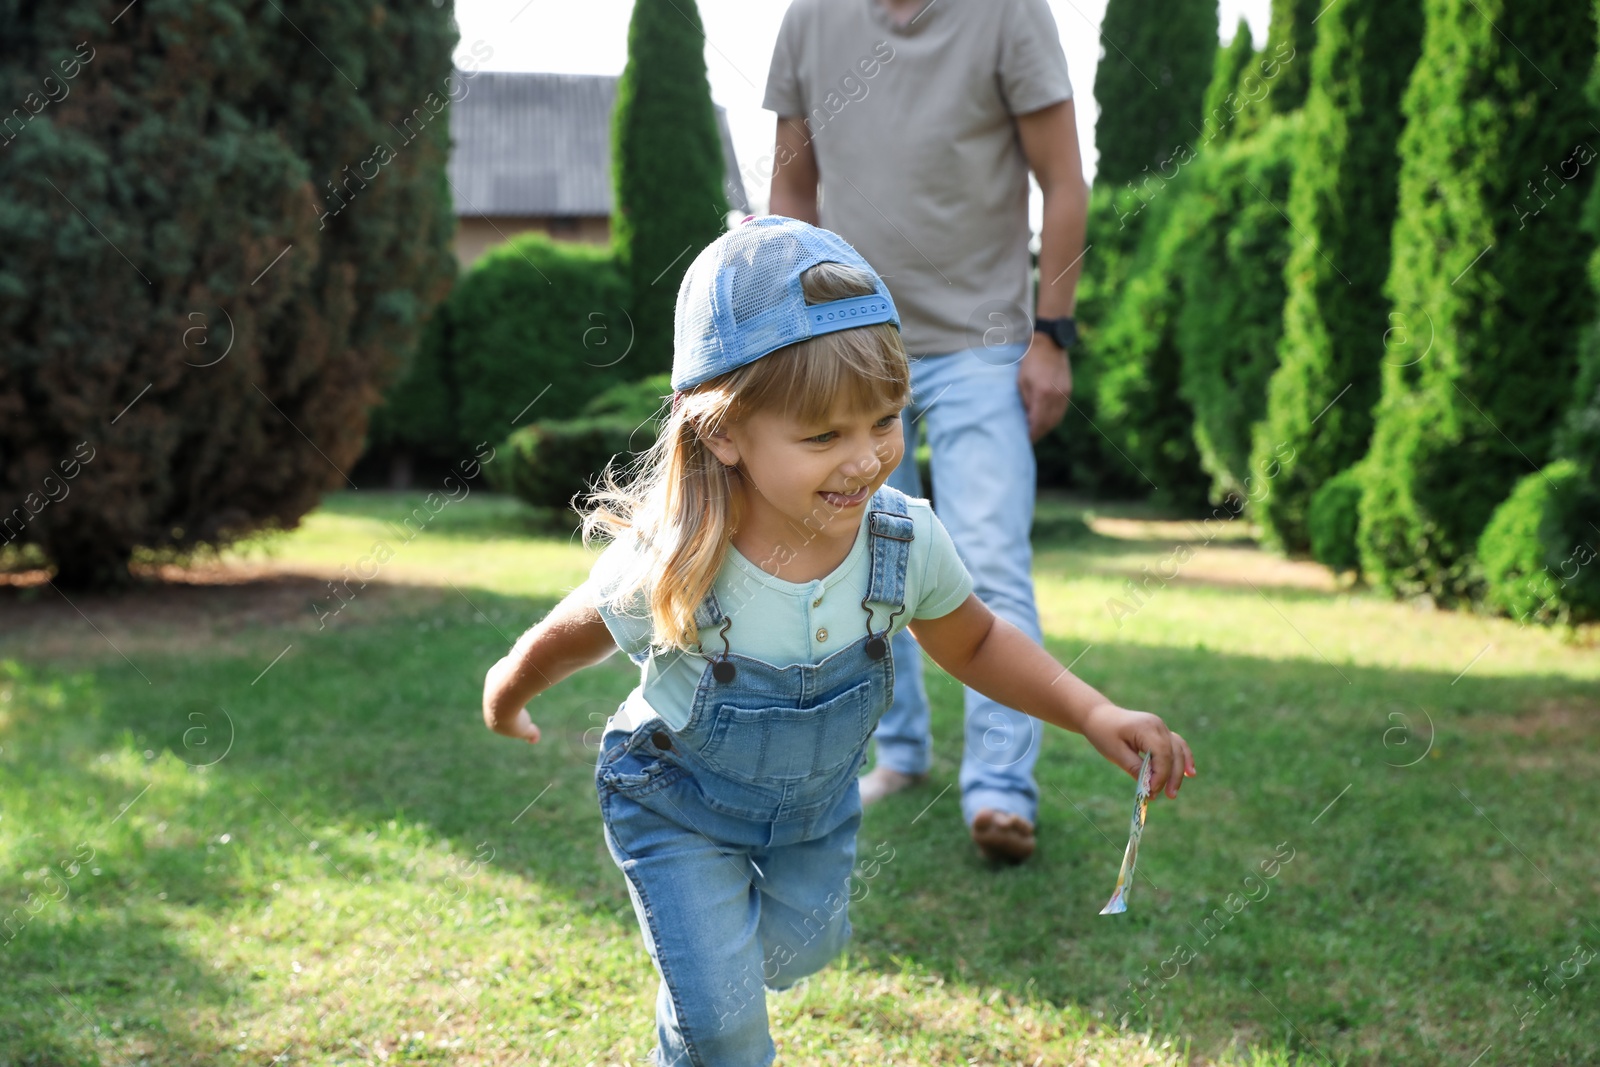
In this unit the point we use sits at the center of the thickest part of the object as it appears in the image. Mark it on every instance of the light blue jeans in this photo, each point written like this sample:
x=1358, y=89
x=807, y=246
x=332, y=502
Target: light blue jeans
x=983, y=492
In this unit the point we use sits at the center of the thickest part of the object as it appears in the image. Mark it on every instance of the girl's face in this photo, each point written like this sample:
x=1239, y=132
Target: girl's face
x=808, y=482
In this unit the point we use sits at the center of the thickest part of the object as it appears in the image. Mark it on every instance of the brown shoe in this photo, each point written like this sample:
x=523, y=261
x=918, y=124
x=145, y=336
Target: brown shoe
x=881, y=781
x=1002, y=836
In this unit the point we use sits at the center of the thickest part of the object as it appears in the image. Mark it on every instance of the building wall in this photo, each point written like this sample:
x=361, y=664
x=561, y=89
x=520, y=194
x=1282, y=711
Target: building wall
x=475, y=235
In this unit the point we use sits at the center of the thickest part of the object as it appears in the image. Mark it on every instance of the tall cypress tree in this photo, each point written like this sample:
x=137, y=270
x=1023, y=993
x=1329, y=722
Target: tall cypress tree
x=1276, y=82
x=217, y=244
x=1137, y=399
x=1342, y=202
x=1495, y=167
x=1221, y=103
x=667, y=169
x=1291, y=40
x=1231, y=318
x=1540, y=551
x=1149, y=85
x=1227, y=330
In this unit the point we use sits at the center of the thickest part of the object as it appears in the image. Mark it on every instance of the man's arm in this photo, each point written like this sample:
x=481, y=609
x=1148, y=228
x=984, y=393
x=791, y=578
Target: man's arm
x=794, y=172
x=1049, y=140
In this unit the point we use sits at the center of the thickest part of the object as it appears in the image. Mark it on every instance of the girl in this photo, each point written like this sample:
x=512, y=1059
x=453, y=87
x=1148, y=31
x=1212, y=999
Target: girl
x=758, y=566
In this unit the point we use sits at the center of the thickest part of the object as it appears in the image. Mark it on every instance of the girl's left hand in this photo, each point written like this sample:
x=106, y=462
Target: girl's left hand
x=1123, y=736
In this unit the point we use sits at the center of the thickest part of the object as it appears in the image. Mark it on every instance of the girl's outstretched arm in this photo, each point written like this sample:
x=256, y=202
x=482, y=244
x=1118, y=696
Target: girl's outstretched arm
x=982, y=650
x=571, y=637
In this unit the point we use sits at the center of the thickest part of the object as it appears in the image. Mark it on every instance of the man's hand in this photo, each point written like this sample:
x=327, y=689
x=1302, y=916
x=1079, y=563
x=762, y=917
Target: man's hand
x=1045, y=381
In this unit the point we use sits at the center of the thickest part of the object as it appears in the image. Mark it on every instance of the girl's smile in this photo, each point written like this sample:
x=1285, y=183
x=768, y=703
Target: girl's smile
x=846, y=500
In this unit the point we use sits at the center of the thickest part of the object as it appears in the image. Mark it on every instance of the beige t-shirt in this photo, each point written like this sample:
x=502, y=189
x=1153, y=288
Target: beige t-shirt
x=920, y=165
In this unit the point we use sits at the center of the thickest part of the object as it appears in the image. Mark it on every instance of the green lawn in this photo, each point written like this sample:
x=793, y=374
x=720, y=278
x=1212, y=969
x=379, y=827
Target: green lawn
x=255, y=837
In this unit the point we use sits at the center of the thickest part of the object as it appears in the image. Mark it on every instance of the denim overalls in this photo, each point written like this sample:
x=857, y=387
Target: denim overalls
x=737, y=832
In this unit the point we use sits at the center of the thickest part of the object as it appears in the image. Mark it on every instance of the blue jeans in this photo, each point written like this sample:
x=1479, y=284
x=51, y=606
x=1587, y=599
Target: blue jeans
x=983, y=489
x=726, y=913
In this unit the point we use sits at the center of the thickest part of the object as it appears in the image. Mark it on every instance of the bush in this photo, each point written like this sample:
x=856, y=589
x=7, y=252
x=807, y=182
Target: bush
x=640, y=401
x=537, y=322
x=1332, y=519
x=1226, y=332
x=419, y=412
x=270, y=229
x=1341, y=207
x=1077, y=452
x=1539, y=550
x=546, y=464
x=1147, y=423
x=1485, y=265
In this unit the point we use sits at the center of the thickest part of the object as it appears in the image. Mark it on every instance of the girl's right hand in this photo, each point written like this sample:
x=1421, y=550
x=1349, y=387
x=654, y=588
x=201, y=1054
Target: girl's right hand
x=519, y=725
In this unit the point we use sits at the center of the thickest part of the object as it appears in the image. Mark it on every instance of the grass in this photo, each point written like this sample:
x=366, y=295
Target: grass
x=256, y=830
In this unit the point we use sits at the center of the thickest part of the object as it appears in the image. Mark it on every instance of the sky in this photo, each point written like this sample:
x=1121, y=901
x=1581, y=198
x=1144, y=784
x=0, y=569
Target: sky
x=591, y=37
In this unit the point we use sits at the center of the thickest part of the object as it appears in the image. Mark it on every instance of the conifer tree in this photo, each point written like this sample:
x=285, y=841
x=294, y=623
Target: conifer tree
x=1221, y=103
x=668, y=169
x=1149, y=85
x=217, y=245
x=1342, y=203
x=1495, y=165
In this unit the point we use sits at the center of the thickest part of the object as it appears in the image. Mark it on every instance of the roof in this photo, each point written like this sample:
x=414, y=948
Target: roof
x=534, y=144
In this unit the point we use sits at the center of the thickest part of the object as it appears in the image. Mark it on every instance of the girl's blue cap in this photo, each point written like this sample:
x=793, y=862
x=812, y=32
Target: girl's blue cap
x=741, y=297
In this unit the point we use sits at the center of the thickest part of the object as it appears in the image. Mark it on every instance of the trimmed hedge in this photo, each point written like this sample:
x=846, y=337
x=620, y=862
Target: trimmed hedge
x=535, y=322
x=1342, y=203
x=1539, y=551
x=549, y=462
x=1486, y=267
x=1332, y=519
x=546, y=464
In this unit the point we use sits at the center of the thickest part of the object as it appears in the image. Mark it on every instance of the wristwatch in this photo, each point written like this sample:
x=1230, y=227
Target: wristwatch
x=1063, y=331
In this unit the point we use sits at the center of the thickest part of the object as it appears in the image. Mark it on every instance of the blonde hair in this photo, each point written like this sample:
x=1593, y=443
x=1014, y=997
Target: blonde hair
x=677, y=503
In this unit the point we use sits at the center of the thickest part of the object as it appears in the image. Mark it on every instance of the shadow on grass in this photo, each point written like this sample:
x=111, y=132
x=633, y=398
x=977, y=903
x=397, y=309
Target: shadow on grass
x=1432, y=870
x=491, y=516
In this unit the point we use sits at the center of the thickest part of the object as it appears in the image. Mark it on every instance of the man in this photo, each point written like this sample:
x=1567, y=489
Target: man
x=920, y=121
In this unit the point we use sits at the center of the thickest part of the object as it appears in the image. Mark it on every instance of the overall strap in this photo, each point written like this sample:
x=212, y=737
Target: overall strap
x=889, y=529
x=709, y=612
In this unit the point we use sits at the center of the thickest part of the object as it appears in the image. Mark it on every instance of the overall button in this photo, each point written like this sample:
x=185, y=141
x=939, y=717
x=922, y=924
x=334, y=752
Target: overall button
x=662, y=740
x=822, y=633
x=817, y=603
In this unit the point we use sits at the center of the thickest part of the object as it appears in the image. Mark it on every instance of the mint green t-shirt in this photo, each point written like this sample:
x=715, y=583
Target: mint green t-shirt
x=778, y=621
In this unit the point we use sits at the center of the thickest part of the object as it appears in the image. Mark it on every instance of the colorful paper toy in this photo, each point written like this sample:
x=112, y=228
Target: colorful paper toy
x=1141, y=798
